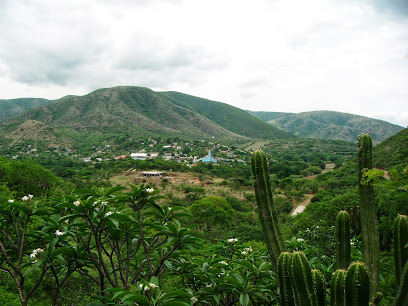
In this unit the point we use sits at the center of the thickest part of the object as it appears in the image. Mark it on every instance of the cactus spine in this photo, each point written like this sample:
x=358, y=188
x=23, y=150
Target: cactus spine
x=318, y=286
x=266, y=208
x=368, y=213
x=302, y=280
x=357, y=285
x=343, y=255
x=400, y=243
x=337, y=288
x=285, y=286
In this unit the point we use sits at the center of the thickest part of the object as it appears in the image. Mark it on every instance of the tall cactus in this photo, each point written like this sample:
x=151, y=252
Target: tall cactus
x=368, y=213
x=337, y=288
x=357, y=285
x=400, y=245
x=402, y=294
x=285, y=285
x=343, y=250
x=302, y=280
x=266, y=208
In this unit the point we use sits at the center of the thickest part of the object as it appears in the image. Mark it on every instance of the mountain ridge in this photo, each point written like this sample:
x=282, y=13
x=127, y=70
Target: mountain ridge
x=330, y=125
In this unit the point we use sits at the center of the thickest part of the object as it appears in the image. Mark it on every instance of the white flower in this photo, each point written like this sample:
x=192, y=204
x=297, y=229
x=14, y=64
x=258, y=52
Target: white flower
x=300, y=240
x=232, y=240
x=194, y=299
x=149, y=190
x=10, y=201
x=66, y=221
x=169, y=208
x=108, y=214
x=249, y=250
x=30, y=196
x=104, y=203
x=153, y=286
x=223, y=263
x=25, y=198
x=245, y=253
x=59, y=233
x=351, y=242
x=36, y=253
x=77, y=203
x=146, y=289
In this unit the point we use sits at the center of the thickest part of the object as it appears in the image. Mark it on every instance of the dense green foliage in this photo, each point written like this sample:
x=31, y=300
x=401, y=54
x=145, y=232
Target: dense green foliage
x=108, y=245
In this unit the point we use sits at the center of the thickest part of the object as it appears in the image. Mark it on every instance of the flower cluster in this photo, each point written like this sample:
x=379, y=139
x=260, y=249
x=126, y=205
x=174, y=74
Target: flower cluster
x=194, y=299
x=58, y=233
x=246, y=251
x=149, y=190
x=26, y=198
x=77, y=203
x=36, y=253
x=108, y=214
x=232, y=240
x=300, y=240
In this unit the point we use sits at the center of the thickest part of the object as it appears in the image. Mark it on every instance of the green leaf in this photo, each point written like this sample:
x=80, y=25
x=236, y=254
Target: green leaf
x=244, y=299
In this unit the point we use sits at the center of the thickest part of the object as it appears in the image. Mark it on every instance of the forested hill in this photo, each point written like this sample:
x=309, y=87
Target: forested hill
x=138, y=111
x=229, y=117
x=393, y=151
x=13, y=107
x=329, y=125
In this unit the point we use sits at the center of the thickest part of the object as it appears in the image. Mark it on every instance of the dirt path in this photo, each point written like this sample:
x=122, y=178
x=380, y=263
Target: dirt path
x=302, y=206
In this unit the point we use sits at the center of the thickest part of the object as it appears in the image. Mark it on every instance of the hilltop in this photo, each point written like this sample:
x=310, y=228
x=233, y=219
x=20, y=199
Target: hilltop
x=13, y=107
x=329, y=125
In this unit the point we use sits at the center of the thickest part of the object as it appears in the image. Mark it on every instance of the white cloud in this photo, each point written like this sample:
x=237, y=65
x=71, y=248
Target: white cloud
x=282, y=55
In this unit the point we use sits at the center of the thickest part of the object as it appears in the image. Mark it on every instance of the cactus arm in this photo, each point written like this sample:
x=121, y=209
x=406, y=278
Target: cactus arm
x=343, y=250
x=357, y=286
x=400, y=242
x=266, y=208
x=285, y=286
x=319, y=288
x=368, y=213
x=337, y=288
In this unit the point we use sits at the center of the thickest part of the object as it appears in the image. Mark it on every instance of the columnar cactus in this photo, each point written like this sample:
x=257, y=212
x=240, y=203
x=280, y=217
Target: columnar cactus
x=343, y=255
x=400, y=245
x=357, y=285
x=266, y=208
x=319, y=287
x=285, y=286
x=402, y=294
x=368, y=213
x=302, y=280
x=337, y=288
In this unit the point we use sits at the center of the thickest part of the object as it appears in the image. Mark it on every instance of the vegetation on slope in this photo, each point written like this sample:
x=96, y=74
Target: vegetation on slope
x=330, y=125
x=393, y=151
x=13, y=107
x=227, y=116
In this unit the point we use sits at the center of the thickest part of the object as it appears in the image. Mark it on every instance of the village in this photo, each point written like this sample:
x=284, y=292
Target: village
x=188, y=153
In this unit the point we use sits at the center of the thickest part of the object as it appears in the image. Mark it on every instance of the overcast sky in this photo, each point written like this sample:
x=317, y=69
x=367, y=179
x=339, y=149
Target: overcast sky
x=277, y=55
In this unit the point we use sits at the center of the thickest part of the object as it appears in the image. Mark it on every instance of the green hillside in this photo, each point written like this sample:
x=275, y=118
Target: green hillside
x=229, y=117
x=134, y=112
x=13, y=107
x=330, y=125
x=393, y=151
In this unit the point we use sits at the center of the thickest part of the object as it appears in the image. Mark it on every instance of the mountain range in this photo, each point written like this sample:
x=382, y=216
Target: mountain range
x=128, y=112
x=135, y=112
x=329, y=125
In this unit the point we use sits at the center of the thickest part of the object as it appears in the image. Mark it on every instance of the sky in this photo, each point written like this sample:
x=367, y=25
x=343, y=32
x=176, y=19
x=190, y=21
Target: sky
x=262, y=55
